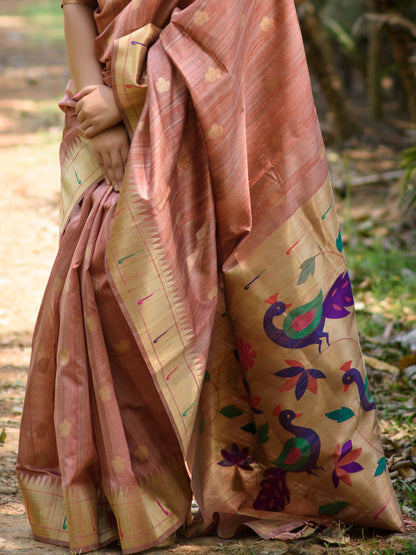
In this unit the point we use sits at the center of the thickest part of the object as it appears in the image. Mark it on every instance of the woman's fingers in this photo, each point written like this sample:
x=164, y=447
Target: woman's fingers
x=96, y=109
x=90, y=125
x=111, y=148
x=84, y=91
x=118, y=168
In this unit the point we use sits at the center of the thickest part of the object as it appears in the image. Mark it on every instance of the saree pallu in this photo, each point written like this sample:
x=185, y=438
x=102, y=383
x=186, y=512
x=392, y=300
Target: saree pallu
x=197, y=336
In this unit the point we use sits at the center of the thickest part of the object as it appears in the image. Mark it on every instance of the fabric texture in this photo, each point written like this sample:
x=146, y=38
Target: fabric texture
x=201, y=322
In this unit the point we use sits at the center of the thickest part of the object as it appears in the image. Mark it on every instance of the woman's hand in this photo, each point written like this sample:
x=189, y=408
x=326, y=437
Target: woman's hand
x=96, y=109
x=111, y=149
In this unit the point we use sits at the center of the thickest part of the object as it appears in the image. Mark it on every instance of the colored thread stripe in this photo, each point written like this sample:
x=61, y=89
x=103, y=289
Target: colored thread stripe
x=127, y=257
x=164, y=510
x=145, y=299
x=187, y=410
x=253, y=281
x=292, y=247
x=327, y=212
x=168, y=377
x=78, y=179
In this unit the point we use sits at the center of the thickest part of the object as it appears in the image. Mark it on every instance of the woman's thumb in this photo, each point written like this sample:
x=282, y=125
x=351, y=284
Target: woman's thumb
x=84, y=92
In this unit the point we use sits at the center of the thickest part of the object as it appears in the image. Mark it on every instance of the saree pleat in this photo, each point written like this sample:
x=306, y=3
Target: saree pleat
x=197, y=336
x=113, y=469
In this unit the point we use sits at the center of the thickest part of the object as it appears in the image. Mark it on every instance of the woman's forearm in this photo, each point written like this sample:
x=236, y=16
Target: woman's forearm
x=80, y=33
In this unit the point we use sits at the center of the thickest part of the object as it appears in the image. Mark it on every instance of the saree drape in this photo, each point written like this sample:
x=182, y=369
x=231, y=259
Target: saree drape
x=201, y=322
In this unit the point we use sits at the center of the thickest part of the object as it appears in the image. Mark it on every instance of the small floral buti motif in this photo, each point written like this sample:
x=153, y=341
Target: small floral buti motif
x=300, y=378
x=246, y=354
x=235, y=457
x=345, y=463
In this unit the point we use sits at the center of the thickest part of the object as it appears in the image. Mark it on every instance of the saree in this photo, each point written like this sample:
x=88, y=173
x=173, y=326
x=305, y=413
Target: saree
x=197, y=336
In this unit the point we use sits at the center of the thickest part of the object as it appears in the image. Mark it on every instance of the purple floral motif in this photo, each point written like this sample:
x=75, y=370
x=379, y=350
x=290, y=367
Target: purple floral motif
x=344, y=463
x=235, y=457
x=300, y=377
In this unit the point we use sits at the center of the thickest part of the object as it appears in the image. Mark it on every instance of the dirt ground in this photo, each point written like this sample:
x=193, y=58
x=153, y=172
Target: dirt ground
x=31, y=80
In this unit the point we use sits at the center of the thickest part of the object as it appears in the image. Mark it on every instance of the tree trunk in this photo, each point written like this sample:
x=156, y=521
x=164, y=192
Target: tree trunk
x=401, y=42
x=374, y=57
x=322, y=64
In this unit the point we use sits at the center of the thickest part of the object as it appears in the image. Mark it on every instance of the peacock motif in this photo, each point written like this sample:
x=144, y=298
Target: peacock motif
x=352, y=375
x=304, y=325
x=299, y=454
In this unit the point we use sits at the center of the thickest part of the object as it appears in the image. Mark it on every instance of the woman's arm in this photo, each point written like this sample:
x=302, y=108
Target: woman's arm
x=80, y=33
x=96, y=108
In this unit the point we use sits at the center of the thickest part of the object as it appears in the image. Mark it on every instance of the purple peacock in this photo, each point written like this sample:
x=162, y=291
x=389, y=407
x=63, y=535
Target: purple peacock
x=304, y=325
x=299, y=454
x=352, y=375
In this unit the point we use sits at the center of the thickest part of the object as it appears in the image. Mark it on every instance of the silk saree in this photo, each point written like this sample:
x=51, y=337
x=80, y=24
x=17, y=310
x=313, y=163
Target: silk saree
x=197, y=336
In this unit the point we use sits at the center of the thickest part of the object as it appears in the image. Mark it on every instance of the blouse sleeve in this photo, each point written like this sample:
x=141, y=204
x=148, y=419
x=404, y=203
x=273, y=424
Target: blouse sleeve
x=90, y=3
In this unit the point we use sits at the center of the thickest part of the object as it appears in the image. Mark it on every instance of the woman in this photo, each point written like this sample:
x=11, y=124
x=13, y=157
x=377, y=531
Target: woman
x=197, y=335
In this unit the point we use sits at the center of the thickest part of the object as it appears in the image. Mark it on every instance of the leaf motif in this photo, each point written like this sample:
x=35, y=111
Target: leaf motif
x=350, y=456
x=289, y=384
x=207, y=377
x=346, y=448
x=225, y=463
x=345, y=478
x=289, y=372
x=250, y=428
x=301, y=386
x=352, y=467
x=308, y=269
x=340, y=244
x=381, y=466
x=313, y=385
x=262, y=432
x=333, y=508
x=294, y=363
x=341, y=415
x=317, y=374
x=231, y=411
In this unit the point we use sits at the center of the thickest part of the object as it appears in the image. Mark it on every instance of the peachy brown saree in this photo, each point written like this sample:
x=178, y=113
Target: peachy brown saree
x=197, y=335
